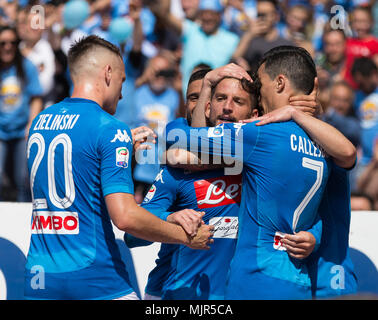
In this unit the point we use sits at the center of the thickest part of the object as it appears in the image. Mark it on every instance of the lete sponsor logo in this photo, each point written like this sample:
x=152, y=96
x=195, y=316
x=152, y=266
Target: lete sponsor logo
x=55, y=222
x=218, y=191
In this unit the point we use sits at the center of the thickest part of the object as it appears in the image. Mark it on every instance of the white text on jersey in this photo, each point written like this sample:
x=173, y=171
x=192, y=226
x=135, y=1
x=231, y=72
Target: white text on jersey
x=57, y=122
x=306, y=146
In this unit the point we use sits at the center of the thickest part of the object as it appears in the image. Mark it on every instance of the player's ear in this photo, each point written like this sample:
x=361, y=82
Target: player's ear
x=207, y=110
x=280, y=83
x=255, y=113
x=108, y=74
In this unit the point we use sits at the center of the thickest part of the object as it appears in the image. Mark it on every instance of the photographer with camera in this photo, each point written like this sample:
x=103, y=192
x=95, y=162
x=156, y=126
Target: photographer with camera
x=261, y=36
x=157, y=101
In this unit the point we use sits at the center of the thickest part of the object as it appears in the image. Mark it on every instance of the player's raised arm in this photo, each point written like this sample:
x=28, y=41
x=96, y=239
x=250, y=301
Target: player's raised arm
x=334, y=143
x=161, y=10
x=302, y=110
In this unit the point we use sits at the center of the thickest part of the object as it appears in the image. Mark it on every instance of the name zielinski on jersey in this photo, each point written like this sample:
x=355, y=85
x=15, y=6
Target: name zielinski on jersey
x=56, y=122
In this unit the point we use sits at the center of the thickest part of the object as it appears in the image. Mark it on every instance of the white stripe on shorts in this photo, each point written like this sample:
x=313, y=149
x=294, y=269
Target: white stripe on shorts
x=151, y=297
x=130, y=296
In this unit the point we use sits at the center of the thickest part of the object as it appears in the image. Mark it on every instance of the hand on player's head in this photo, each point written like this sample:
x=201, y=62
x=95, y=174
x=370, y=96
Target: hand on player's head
x=230, y=70
x=308, y=103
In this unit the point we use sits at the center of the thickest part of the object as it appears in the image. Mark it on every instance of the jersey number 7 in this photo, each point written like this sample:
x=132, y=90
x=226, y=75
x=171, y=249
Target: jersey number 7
x=318, y=167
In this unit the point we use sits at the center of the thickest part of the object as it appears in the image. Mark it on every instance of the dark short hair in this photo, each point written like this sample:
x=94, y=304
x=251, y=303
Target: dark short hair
x=18, y=58
x=293, y=62
x=273, y=2
x=82, y=46
x=198, y=75
x=365, y=66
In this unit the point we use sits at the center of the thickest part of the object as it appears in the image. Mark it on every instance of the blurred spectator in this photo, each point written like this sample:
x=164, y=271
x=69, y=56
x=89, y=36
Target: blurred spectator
x=37, y=49
x=368, y=180
x=20, y=102
x=135, y=62
x=320, y=18
x=340, y=110
x=203, y=42
x=207, y=32
x=331, y=61
x=365, y=74
x=190, y=8
x=361, y=202
x=297, y=19
x=363, y=43
x=262, y=34
x=156, y=103
x=237, y=15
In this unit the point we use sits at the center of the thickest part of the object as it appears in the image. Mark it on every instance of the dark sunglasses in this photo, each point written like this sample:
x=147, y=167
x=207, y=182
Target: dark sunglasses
x=167, y=73
x=4, y=43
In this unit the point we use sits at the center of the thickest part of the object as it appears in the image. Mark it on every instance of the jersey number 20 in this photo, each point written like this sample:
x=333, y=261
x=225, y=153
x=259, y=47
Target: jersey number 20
x=65, y=141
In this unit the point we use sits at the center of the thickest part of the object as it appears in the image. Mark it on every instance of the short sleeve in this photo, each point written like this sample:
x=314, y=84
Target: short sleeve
x=115, y=150
x=162, y=194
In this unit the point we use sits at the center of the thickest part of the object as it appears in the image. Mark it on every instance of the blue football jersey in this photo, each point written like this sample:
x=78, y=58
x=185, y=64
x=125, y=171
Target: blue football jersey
x=77, y=154
x=284, y=176
x=182, y=273
x=331, y=268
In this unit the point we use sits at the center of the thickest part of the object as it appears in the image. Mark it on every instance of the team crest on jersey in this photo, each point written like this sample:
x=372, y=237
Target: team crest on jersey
x=122, y=136
x=150, y=194
x=122, y=157
x=215, y=132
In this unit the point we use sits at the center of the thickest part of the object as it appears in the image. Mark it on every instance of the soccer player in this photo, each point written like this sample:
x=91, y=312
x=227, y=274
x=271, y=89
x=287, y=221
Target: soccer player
x=79, y=161
x=277, y=199
x=193, y=275
x=183, y=274
x=330, y=266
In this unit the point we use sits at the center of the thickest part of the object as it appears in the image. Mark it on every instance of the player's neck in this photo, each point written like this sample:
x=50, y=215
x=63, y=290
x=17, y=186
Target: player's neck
x=279, y=101
x=87, y=91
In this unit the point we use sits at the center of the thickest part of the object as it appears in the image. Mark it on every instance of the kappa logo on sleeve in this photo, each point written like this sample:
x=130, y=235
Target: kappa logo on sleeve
x=238, y=127
x=122, y=157
x=122, y=136
x=159, y=176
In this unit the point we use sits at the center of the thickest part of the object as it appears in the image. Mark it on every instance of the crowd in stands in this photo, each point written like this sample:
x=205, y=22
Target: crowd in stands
x=162, y=42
